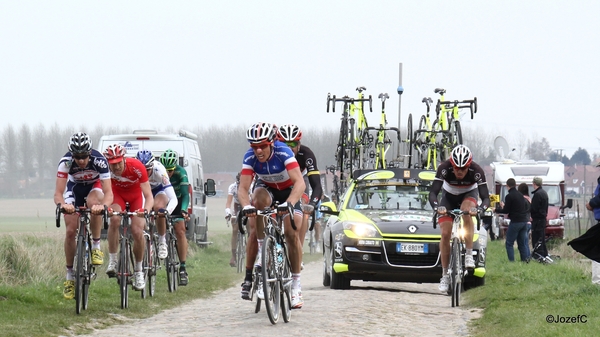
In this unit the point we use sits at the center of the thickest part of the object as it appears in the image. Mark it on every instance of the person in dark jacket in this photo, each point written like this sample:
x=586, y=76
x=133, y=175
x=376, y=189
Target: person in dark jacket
x=524, y=189
x=587, y=244
x=539, y=211
x=515, y=206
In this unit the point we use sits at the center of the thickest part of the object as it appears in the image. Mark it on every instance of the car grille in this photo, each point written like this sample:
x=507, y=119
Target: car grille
x=416, y=260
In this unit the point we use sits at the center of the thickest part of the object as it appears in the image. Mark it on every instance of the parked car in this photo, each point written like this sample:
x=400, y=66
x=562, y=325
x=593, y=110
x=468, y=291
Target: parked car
x=382, y=230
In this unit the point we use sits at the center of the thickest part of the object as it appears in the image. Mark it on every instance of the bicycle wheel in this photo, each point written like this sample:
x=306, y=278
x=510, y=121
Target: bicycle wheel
x=409, y=140
x=124, y=268
x=80, y=273
x=270, y=282
x=146, y=265
x=89, y=270
x=152, y=265
x=420, y=145
x=240, y=252
x=457, y=138
x=172, y=263
x=456, y=271
x=286, y=288
x=256, y=275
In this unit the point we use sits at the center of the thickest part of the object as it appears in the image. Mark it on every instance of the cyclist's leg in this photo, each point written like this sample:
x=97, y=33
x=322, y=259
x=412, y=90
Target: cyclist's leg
x=160, y=202
x=139, y=244
x=113, y=233
x=294, y=244
x=234, y=235
x=469, y=201
x=305, y=218
x=95, y=198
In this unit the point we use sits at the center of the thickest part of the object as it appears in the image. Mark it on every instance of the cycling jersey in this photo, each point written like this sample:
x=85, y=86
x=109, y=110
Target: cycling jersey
x=233, y=190
x=180, y=183
x=308, y=165
x=273, y=172
x=96, y=169
x=126, y=187
x=81, y=181
x=445, y=179
x=160, y=183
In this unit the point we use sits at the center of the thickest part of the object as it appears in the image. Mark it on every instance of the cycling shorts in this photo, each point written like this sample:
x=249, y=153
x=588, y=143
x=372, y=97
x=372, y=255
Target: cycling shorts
x=76, y=193
x=453, y=201
x=135, y=199
x=158, y=190
x=279, y=196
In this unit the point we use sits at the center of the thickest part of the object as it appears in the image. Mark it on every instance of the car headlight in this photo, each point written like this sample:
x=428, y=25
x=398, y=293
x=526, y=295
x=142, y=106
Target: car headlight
x=556, y=222
x=361, y=229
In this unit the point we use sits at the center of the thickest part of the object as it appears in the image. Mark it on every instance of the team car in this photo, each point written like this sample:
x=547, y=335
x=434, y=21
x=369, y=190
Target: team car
x=382, y=230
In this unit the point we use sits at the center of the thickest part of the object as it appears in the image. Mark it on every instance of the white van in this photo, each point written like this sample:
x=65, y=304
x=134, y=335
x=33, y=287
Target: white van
x=185, y=144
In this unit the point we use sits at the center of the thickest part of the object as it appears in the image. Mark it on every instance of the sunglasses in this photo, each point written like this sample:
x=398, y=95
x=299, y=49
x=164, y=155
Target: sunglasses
x=291, y=144
x=81, y=156
x=260, y=146
x=171, y=169
x=461, y=169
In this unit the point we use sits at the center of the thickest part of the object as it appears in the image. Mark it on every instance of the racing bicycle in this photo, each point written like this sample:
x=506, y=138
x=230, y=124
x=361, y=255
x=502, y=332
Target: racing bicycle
x=241, y=241
x=448, y=121
x=456, y=267
x=360, y=126
x=424, y=141
x=153, y=262
x=256, y=272
x=384, y=141
x=172, y=260
x=83, y=268
x=276, y=266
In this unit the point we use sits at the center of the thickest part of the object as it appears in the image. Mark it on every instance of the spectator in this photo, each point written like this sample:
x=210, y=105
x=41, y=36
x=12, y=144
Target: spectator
x=524, y=189
x=587, y=244
x=515, y=206
x=539, y=211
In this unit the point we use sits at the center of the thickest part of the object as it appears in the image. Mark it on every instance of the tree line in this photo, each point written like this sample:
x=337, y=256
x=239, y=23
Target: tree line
x=29, y=155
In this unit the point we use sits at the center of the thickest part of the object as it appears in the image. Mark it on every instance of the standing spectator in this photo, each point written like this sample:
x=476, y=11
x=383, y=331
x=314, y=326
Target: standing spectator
x=539, y=211
x=524, y=189
x=515, y=206
x=587, y=244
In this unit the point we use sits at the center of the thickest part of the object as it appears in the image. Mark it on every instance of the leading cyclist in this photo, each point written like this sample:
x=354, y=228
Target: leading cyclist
x=461, y=182
x=279, y=180
x=82, y=179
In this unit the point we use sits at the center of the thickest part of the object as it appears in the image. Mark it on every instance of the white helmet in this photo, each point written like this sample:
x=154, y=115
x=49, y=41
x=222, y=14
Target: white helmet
x=261, y=133
x=289, y=133
x=461, y=156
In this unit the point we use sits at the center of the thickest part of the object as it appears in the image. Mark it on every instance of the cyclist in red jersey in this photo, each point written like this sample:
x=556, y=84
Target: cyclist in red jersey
x=130, y=185
x=461, y=182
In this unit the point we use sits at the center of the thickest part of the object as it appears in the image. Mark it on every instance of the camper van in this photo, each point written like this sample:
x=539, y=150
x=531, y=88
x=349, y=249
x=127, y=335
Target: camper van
x=186, y=146
x=553, y=177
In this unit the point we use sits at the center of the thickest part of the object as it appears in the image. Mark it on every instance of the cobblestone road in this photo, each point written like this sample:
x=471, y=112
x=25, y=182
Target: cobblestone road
x=368, y=308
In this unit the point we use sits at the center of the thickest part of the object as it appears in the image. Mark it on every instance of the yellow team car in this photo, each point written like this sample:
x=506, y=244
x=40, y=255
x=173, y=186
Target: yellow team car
x=382, y=230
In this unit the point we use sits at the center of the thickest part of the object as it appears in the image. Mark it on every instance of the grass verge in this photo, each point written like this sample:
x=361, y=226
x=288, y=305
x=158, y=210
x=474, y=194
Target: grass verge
x=534, y=299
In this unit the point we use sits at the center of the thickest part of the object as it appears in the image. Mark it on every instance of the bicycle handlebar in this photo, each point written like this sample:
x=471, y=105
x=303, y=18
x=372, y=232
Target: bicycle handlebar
x=467, y=103
x=81, y=209
x=241, y=222
x=457, y=212
x=346, y=100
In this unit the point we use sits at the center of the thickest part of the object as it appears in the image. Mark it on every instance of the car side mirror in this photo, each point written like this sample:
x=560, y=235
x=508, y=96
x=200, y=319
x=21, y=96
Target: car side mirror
x=568, y=205
x=209, y=187
x=328, y=208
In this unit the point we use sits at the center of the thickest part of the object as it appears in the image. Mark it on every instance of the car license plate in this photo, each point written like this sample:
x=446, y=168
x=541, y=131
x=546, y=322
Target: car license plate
x=419, y=248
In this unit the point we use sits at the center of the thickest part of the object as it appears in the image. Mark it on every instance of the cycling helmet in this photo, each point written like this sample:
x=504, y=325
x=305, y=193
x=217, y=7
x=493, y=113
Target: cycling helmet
x=80, y=143
x=261, y=133
x=146, y=157
x=114, y=153
x=289, y=133
x=461, y=156
x=169, y=159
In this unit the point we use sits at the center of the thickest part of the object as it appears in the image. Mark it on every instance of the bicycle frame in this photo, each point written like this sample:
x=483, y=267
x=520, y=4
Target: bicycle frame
x=360, y=126
x=425, y=142
x=448, y=118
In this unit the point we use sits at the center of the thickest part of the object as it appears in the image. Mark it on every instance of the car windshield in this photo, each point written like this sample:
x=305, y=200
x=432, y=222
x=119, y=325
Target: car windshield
x=389, y=197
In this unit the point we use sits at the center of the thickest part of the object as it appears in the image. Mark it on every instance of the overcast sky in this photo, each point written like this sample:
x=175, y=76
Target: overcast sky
x=533, y=65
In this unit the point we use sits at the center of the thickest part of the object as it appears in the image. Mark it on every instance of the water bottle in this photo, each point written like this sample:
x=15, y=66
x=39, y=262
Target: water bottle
x=278, y=250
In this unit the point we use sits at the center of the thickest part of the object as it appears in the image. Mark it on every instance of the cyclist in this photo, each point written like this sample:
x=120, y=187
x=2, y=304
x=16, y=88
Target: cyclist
x=165, y=199
x=130, y=185
x=291, y=135
x=461, y=182
x=179, y=180
x=279, y=180
x=232, y=197
x=82, y=179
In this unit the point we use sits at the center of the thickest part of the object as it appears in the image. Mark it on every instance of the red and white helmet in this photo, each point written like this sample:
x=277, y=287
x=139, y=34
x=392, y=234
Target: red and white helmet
x=461, y=156
x=261, y=133
x=289, y=133
x=114, y=153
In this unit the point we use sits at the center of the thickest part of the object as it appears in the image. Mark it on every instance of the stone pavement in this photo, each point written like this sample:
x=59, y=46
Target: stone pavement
x=368, y=308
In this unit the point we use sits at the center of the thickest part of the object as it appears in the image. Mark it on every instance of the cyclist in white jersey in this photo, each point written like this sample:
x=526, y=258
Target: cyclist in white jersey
x=165, y=199
x=232, y=197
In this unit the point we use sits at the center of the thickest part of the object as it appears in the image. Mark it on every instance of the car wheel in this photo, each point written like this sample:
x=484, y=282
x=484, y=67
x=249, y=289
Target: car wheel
x=338, y=281
x=326, y=276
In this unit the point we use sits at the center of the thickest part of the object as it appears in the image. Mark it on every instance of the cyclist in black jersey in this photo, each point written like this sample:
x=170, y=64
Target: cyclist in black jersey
x=291, y=135
x=461, y=182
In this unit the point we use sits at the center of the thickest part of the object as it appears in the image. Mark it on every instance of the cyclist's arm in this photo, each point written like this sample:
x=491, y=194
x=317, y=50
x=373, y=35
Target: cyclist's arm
x=315, y=184
x=299, y=185
x=170, y=192
x=59, y=190
x=244, y=189
x=434, y=190
x=484, y=195
x=107, y=200
x=185, y=196
x=148, y=198
x=229, y=200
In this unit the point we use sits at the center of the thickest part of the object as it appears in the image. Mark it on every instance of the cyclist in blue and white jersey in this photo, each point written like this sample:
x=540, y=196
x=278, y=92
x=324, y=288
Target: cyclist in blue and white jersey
x=165, y=198
x=279, y=180
x=83, y=179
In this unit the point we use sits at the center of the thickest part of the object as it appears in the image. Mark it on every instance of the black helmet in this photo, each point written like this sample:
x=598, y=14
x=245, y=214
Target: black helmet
x=80, y=143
